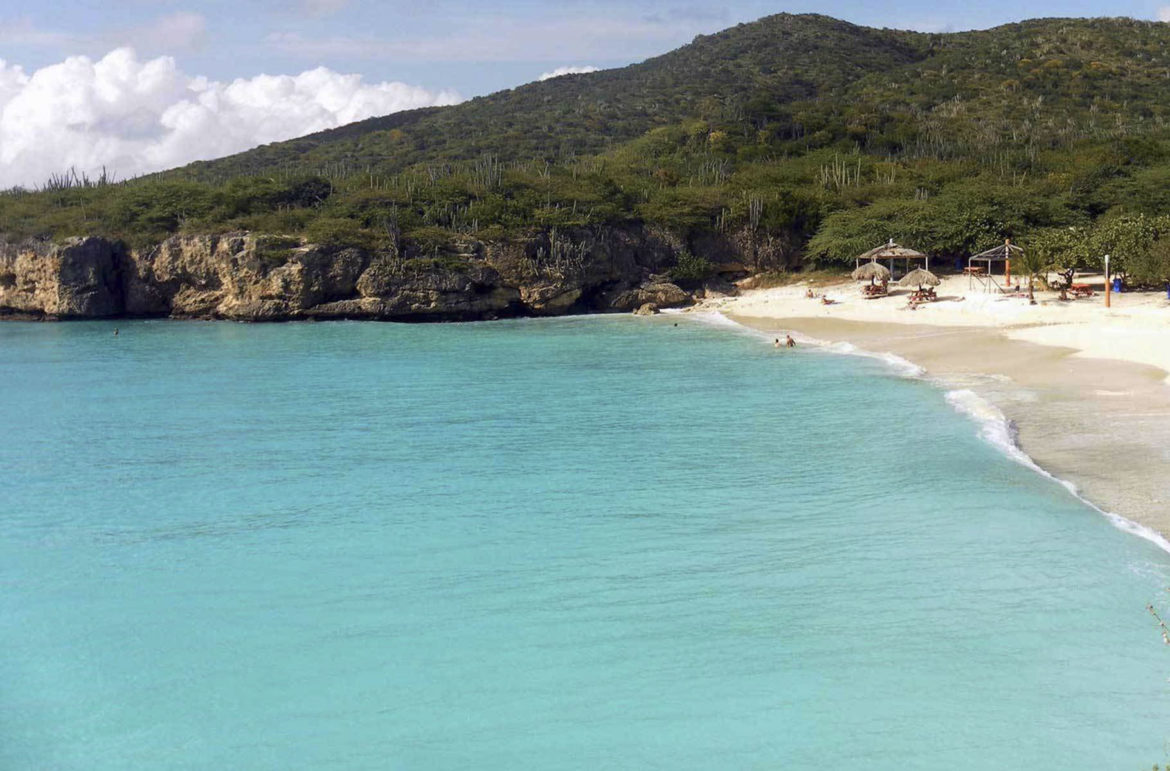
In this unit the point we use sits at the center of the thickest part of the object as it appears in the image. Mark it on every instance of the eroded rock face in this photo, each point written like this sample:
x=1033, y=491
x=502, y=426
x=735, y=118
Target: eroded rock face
x=77, y=278
x=245, y=277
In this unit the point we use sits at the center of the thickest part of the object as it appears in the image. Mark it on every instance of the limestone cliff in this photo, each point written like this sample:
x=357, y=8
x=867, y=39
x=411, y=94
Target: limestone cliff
x=78, y=279
x=263, y=278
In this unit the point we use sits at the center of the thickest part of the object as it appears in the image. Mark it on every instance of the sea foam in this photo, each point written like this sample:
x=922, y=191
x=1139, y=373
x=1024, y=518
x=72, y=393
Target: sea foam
x=994, y=426
x=997, y=429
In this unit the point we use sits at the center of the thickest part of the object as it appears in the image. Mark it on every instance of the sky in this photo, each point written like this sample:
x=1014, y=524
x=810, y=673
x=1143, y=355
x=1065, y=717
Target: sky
x=142, y=85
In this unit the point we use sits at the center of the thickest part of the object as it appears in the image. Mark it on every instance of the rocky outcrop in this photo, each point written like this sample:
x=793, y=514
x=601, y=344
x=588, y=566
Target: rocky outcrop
x=76, y=279
x=264, y=278
x=714, y=288
x=657, y=292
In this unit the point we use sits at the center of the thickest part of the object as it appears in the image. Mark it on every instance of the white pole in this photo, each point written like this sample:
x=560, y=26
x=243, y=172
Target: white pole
x=1108, y=286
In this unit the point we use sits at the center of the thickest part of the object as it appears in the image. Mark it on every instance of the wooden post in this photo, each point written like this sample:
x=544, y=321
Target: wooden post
x=1007, y=262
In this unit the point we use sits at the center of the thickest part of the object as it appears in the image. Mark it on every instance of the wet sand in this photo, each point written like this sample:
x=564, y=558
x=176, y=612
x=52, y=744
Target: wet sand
x=1102, y=424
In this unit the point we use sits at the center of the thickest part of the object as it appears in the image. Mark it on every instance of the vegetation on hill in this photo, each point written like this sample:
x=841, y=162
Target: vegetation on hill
x=827, y=136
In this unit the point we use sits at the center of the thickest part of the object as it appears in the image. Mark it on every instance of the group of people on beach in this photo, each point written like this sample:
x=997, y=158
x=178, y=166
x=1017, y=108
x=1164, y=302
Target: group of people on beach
x=825, y=300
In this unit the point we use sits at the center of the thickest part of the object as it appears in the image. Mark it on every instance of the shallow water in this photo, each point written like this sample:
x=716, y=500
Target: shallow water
x=567, y=543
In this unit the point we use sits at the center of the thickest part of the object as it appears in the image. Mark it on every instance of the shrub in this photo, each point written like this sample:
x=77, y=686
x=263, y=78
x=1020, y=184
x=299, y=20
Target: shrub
x=691, y=267
x=338, y=232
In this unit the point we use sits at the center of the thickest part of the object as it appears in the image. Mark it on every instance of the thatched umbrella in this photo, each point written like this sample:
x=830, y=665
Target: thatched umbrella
x=921, y=277
x=891, y=251
x=872, y=271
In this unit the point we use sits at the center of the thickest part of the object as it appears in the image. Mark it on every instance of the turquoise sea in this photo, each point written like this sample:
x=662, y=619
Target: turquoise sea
x=571, y=543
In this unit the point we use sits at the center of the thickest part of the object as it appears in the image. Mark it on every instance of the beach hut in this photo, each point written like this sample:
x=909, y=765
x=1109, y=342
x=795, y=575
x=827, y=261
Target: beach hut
x=981, y=267
x=890, y=251
x=874, y=272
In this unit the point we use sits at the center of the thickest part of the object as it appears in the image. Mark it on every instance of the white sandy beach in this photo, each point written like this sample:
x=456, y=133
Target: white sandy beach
x=1086, y=387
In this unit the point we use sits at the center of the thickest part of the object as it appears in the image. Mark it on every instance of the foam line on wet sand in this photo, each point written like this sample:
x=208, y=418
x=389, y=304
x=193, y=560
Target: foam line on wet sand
x=994, y=426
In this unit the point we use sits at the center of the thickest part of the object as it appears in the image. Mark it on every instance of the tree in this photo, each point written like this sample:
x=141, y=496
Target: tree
x=1127, y=239
x=1033, y=262
x=1152, y=267
x=1063, y=250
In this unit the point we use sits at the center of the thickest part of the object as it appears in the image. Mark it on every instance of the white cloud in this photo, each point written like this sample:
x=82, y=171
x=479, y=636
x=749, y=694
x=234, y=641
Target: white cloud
x=135, y=116
x=12, y=80
x=569, y=71
x=1164, y=13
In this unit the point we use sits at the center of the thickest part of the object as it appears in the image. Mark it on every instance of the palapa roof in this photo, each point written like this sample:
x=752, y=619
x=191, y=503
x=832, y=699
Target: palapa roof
x=1005, y=251
x=919, y=277
x=871, y=270
x=891, y=250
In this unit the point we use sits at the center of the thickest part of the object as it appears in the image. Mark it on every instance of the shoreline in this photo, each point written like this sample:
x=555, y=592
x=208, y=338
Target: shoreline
x=1097, y=424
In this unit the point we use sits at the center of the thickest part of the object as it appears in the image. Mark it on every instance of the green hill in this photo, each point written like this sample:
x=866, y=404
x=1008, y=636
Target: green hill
x=778, y=60
x=797, y=138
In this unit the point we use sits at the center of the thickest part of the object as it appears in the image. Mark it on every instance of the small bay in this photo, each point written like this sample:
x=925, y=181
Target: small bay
x=563, y=543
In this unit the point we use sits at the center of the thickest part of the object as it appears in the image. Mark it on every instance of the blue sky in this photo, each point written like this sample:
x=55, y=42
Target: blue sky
x=142, y=85
x=472, y=47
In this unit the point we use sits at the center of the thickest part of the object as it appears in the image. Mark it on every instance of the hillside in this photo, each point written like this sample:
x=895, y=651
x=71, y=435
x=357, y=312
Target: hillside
x=794, y=140
x=779, y=60
x=807, y=80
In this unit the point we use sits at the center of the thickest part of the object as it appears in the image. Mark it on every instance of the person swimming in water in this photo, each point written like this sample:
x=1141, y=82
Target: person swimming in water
x=776, y=343
x=788, y=341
